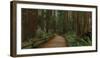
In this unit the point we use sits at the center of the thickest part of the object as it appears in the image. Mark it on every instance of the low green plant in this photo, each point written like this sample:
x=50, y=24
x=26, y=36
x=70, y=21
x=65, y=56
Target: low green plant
x=72, y=40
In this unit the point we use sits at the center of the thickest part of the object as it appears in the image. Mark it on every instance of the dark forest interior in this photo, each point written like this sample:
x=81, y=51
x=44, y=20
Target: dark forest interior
x=42, y=27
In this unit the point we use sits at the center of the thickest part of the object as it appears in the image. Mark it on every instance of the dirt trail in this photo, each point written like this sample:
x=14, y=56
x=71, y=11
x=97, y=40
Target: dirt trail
x=56, y=41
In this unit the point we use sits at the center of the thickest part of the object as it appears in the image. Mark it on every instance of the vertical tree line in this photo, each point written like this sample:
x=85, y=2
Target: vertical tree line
x=54, y=21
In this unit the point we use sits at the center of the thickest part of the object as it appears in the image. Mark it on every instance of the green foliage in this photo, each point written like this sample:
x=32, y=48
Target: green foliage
x=74, y=41
x=70, y=24
x=42, y=37
x=42, y=34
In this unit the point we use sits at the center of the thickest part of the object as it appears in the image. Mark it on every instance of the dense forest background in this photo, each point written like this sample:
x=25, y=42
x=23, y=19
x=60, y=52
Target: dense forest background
x=38, y=25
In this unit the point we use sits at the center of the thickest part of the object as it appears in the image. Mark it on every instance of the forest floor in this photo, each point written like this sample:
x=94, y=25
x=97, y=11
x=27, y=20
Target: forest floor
x=56, y=41
x=66, y=40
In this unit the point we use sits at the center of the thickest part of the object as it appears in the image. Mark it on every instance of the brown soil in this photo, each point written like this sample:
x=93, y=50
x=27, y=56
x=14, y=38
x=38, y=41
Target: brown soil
x=56, y=41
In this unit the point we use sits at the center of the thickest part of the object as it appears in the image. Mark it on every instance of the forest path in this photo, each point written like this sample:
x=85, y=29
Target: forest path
x=56, y=41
